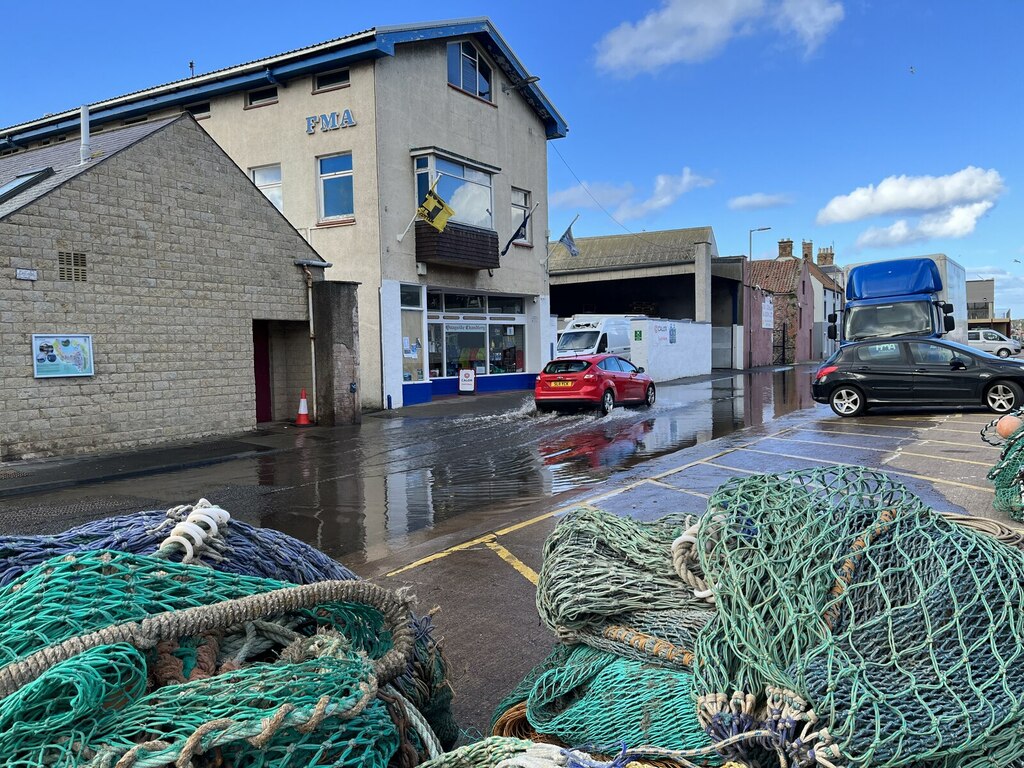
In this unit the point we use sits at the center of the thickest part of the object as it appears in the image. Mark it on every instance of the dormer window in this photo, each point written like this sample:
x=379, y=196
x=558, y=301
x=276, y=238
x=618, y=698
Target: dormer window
x=468, y=71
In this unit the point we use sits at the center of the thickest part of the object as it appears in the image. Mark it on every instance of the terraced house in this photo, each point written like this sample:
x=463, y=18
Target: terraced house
x=345, y=138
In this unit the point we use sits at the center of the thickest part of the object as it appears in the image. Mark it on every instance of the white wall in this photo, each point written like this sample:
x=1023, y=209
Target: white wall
x=671, y=349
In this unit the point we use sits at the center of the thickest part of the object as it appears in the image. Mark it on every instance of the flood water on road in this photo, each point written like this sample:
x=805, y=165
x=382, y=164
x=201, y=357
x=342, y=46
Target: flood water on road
x=360, y=493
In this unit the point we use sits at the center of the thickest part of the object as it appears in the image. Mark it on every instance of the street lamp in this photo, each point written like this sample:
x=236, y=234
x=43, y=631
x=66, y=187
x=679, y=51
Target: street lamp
x=750, y=241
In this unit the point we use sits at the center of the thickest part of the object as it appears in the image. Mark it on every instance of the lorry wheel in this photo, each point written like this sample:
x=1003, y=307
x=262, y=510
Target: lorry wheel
x=1003, y=396
x=847, y=401
x=1004, y=352
x=651, y=396
x=607, y=402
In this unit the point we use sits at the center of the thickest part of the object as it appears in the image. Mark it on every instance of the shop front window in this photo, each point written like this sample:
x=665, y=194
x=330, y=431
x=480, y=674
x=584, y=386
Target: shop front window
x=465, y=303
x=506, y=305
x=435, y=349
x=465, y=348
x=412, y=334
x=507, y=348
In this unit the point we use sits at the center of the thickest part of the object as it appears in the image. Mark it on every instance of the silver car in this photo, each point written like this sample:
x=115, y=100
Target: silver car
x=993, y=342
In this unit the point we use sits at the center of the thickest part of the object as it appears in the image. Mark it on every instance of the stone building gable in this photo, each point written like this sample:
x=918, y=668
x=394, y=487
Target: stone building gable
x=182, y=254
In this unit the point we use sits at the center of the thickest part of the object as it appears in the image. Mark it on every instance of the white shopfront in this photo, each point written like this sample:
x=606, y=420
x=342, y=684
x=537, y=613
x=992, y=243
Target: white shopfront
x=445, y=331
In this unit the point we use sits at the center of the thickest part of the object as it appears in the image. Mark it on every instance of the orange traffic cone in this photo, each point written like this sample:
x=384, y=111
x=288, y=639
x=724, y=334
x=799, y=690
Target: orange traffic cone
x=302, y=420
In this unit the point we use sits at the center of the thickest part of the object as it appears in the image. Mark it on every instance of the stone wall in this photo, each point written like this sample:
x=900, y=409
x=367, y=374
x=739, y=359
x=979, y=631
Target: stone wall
x=183, y=254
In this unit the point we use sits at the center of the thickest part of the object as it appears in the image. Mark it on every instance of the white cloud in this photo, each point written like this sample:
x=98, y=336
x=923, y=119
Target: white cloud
x=622, y=197
x=758, y=200
x=811, y=20
x=667, y=189
x=696, y=30
x=958, y=221
x=681, y=30
x=898, y=194
x=608, y=195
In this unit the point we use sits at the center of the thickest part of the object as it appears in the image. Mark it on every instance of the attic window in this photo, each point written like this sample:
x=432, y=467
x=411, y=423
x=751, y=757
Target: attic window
x=261, y=96
x=22, y=182
x=71, y=267
x=328, y=81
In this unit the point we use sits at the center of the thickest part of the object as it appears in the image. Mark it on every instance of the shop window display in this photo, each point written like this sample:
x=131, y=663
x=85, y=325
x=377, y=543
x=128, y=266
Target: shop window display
x=507, y=348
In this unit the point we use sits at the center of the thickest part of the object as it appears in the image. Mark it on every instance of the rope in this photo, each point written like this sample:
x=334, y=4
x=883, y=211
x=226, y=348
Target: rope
x=208, y=618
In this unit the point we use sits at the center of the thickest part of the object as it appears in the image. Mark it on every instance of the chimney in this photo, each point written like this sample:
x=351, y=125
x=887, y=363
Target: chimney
x=826, y=257
x=785, y=249
x=85, y=151
x=808, y=250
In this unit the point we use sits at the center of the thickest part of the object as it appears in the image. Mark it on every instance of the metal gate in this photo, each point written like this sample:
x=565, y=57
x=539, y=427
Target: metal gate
x=781, y=347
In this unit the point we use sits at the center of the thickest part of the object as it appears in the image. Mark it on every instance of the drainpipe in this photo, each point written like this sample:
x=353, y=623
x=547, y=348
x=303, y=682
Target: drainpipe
x=306, y=264
x=85, y=151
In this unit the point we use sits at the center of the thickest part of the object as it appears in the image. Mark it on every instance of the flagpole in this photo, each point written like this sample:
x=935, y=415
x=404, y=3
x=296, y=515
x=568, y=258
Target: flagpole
x=416, y=214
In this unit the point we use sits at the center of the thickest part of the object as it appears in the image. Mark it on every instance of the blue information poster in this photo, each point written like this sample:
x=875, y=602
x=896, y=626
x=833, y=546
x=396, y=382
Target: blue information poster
x=67, y=354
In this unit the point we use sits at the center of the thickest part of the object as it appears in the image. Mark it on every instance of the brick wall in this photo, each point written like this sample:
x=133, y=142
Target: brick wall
x=183, y=253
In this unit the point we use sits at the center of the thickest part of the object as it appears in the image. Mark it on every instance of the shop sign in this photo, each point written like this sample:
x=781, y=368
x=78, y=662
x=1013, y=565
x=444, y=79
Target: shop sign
x=768, y=312
x=55, y=355
x=330, y=122
x=467, y=381
x=465, y=327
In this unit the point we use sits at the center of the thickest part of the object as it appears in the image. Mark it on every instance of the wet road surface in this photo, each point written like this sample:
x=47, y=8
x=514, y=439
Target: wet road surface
x=362, y=493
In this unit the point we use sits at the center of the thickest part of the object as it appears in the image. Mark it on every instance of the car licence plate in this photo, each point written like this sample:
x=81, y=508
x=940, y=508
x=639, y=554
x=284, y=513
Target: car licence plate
x=561, y=383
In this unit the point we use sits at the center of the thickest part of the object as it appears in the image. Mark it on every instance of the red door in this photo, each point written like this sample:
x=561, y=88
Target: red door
x=261, y=369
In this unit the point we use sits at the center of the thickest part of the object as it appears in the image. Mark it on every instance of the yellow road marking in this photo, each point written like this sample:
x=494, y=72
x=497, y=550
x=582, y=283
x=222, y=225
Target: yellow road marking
x=524, y=570
x=532, y=520
x=443, y=553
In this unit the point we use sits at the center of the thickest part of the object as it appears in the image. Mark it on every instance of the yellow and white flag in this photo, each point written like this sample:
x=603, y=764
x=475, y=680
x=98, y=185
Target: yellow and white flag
x=434, y=210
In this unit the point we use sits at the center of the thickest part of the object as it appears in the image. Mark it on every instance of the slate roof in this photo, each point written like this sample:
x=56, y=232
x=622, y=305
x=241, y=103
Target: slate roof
x=775, y=275
x=367, y=44
x=63, y=158
x=644, y=249
x=821, y=277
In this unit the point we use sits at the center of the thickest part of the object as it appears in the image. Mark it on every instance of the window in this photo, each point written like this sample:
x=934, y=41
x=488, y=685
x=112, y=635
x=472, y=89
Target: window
x=198, y=111
x=992, y=336
x=885, y=354
x=936, y=354
x=336, y=187
x=626, y=366
x=566, y=366
x=465, y=302
x=466, y=189
x=261, y=96
x=468, y=71
x=22, y=182
x=71, y=267
x=268, y=179
x=974, y=336
x=412, y=332
x=507, y=348
x=465, y=347
x=520, y=210
x=505, y=305
x=328, y=81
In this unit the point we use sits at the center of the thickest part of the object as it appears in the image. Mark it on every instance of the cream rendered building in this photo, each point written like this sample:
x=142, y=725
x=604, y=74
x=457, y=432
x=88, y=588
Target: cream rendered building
x=345, y=137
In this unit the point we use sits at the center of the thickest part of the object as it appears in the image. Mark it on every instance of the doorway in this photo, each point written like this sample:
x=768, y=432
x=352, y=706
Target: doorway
x=261, y=370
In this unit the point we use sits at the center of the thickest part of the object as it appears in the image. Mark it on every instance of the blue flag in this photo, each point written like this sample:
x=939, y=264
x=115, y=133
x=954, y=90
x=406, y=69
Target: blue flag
x=570, y=244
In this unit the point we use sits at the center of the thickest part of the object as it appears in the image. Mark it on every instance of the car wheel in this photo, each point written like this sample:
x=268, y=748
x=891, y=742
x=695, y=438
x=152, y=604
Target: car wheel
x=651, y=396
x=1004, y=352
x=607, y=402
x=1003, y=396
x=847, y=401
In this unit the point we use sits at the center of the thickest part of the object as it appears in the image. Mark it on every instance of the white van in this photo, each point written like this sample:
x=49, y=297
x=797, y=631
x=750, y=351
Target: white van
x=993, y=342
x=594, y=335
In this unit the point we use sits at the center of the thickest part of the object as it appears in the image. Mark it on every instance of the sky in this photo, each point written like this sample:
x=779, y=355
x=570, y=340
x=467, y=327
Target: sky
x=882, y=128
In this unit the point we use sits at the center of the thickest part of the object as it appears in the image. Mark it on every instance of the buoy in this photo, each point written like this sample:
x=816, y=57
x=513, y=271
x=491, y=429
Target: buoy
x=1007, y=425
x=302, y=420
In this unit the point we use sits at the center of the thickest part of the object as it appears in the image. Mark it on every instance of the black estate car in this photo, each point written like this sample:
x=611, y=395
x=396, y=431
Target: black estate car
x=915, y=371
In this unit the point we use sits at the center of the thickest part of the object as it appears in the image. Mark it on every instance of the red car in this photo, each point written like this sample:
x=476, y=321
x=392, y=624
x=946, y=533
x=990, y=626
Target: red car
x=592, y=380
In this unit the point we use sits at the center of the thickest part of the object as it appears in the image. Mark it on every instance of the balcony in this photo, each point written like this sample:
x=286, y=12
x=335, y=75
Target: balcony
x=458, y=246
